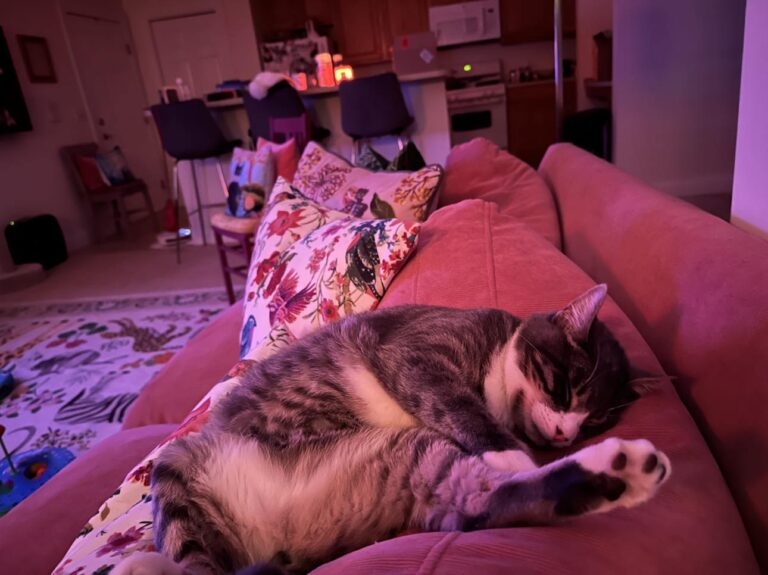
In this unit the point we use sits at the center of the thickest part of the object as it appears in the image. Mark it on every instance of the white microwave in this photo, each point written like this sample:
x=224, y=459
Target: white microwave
x=466, y=22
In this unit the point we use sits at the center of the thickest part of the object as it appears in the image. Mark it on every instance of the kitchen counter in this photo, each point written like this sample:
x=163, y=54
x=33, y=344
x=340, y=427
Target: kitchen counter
x=425, y=98
x=404, y=79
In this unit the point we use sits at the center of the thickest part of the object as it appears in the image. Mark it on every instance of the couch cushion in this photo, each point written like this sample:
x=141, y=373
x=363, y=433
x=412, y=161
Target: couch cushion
x=479, y=169
x=695, y=286
x=35, y=535
x=470, y=255
x=190, y=374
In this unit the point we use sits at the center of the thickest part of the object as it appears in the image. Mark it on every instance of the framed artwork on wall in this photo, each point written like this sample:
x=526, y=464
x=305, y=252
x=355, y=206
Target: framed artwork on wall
x=14, y=116
x=37, y=59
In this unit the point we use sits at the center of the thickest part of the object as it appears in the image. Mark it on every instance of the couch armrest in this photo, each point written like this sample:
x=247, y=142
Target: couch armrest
x=697, y=289
x=191, y=373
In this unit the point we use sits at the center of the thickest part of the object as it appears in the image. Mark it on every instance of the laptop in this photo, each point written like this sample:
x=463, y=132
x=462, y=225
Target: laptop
x=415, y=54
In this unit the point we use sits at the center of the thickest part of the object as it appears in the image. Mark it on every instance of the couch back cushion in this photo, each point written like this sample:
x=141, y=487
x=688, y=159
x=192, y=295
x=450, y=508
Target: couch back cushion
x=479, y=169
x=695, y=286
x=470, y=255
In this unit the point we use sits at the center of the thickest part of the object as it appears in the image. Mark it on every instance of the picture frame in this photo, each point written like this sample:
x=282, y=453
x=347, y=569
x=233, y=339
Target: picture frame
x=37, y=59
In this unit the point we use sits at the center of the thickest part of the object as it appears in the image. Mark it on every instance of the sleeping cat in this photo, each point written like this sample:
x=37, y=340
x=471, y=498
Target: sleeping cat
x=414, y=417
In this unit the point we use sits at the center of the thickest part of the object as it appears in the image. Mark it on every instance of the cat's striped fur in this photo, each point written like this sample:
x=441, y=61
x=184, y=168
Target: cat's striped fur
x=409, y=418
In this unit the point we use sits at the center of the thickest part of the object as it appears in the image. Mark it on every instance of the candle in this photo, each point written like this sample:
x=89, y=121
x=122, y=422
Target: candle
x=343, y=72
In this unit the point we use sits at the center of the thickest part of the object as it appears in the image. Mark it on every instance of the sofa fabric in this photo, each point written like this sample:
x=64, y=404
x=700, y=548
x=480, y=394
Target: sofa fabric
x=190, y=374
x=35, y=535
x=470, y=255
x=480, y=169
x=695, y=287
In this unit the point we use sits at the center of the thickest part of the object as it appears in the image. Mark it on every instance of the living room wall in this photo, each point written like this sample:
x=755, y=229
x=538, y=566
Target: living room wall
x=676, y=75
x=750, y=183
x=34, y=180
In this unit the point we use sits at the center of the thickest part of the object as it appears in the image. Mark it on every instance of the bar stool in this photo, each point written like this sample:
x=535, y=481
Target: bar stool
x=188, y=132
x=282, y=101
x=373, y=107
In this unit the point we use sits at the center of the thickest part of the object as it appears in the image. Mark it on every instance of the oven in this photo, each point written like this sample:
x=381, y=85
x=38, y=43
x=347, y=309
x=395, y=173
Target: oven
x=477, y=104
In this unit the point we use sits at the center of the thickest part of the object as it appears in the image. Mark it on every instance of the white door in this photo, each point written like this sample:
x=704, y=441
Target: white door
x=187, y=49
x=113, y=89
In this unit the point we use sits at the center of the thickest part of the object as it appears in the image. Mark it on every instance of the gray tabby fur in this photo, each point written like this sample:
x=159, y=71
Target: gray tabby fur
x=414, y=417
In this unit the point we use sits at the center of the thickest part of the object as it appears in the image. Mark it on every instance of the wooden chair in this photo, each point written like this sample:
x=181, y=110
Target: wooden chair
x=296, y=127
x=234, y=235
x=114, y=195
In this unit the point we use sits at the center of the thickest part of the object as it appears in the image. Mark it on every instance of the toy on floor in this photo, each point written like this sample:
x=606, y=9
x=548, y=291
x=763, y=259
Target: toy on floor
x=24, y=473
x=6, y=384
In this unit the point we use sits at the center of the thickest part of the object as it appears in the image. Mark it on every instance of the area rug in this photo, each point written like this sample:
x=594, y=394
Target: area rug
x=79, y=365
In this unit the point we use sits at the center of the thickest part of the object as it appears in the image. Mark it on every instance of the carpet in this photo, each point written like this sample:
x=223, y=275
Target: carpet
x=79, y=365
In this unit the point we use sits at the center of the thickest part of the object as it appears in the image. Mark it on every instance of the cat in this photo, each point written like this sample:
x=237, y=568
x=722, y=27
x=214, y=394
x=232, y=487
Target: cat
x=414, y=417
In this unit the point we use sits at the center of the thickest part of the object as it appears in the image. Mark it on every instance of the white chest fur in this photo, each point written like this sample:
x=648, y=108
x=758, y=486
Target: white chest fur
x=502, y=382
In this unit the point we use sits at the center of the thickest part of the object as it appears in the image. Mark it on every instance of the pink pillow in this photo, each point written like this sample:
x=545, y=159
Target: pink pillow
x=286, y=156
x=91, y=175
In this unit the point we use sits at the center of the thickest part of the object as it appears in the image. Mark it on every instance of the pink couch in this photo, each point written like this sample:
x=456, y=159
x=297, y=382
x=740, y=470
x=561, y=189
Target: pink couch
x=686, y=298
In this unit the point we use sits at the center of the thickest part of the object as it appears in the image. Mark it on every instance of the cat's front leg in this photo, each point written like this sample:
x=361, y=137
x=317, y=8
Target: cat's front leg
x=509, y=460
x=613, y=473
x=610, y=474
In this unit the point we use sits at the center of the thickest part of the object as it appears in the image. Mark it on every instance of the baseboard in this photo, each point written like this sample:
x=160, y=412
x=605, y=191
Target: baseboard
x=704, y=185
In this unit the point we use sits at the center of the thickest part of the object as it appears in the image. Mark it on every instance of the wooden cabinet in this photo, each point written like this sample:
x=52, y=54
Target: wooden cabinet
x=362, y=30
x=533, y=20
x=275, y=21
x=531, y=117
x=359, y=31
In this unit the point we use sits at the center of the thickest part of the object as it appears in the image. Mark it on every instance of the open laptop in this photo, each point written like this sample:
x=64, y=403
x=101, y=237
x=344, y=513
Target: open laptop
x=415, y=54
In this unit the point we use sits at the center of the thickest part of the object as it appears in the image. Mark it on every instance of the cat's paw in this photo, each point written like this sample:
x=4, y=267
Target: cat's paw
x=620, y=473
x=147, y=564
x=511, y=460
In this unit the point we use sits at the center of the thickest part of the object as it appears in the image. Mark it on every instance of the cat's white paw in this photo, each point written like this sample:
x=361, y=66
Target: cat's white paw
x=147, y=564
x=511, y=460
x=636, y=463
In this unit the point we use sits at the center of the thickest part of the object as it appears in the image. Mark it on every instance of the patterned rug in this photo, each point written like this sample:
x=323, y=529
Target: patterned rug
x=79, y=365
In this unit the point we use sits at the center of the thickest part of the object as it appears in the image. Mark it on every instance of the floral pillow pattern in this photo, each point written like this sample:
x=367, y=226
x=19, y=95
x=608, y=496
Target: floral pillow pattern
x=329, y=179
x=312, y=266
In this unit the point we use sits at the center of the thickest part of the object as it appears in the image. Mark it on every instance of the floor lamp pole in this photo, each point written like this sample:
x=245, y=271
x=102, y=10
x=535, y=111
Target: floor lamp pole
x=558, y=70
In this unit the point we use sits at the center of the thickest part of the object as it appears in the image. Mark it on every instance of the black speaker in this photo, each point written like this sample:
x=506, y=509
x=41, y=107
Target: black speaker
x=38, y=239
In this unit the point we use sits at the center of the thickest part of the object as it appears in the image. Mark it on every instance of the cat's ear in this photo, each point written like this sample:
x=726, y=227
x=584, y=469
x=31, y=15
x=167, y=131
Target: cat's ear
x=576, y=318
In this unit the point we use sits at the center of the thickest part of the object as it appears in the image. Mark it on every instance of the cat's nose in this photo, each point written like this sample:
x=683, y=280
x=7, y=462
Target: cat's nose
x=559, y=435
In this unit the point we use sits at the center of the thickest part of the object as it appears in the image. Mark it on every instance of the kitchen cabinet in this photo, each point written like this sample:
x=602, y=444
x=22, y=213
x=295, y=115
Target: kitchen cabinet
x=531, y=117
x=358, y=30
x=533, y=20
x=409, y=17
x=362, y=30
x=275, y=21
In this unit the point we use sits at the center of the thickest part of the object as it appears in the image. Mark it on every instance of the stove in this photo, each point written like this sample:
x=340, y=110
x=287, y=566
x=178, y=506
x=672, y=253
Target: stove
x=477, y=103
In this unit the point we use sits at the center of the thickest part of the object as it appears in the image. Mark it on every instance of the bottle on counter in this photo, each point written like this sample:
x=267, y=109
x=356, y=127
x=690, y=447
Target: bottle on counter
x=325, y=77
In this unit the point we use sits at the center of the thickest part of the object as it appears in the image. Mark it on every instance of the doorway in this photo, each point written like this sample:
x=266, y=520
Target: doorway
x=113, y=89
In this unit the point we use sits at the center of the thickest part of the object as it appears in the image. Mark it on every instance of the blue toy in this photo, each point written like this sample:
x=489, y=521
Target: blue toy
x=21, y=474
x=6, y=384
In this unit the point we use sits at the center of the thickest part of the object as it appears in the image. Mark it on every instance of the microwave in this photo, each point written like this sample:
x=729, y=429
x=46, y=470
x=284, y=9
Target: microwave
x=466, y=22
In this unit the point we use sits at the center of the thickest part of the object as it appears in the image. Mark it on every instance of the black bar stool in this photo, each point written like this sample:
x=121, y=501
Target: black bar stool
x=189, y=132
x=282, y=101
x=373, y=107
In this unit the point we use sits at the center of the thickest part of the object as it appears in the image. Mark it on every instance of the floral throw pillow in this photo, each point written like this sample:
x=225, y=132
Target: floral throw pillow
x=330, y=180
x=313, y=266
